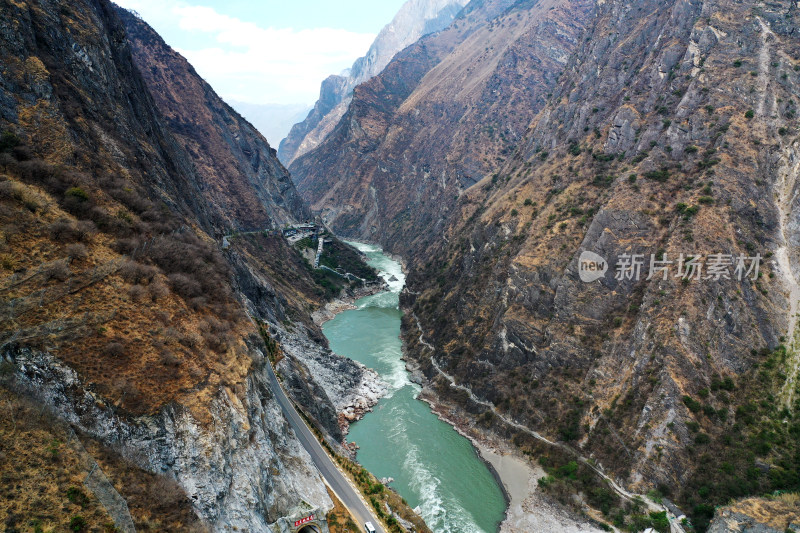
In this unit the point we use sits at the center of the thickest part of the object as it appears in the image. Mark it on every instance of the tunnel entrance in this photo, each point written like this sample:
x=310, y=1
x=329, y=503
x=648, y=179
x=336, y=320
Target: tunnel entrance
x=303, y=519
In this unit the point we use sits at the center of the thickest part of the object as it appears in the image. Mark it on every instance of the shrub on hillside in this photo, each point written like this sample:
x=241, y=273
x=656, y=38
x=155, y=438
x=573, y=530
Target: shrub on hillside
x=8, y=140
x=114, y=349
x=185, y=286
x=134, y=272
x=85, y=229
x=58, y=271
x=202, y=269
x=77, y=251
x=138, y=293
x=158, y=290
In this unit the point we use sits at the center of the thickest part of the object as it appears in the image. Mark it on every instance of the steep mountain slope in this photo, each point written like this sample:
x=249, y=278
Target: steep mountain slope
x=627, y=128
x=247, y=188
x=231, y=158
x=673, y=131
x=415, y=19
x=120, y=315
x=444, y=113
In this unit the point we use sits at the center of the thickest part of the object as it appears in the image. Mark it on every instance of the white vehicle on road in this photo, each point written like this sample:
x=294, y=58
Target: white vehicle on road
x=369, y=527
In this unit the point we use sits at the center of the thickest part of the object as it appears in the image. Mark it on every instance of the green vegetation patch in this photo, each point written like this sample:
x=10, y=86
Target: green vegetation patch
x=751, y=441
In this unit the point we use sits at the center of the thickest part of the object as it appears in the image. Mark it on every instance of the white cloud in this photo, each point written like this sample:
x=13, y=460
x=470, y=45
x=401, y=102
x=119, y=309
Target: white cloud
x=249, y=63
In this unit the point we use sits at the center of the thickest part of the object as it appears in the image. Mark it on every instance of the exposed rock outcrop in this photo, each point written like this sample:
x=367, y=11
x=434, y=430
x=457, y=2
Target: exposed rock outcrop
x=779, y=514
x=352, y=388
x=459, y=101
x=332, y=389
x=640, y=129
x=238, y=172
x=119, y=311
x=243, y=471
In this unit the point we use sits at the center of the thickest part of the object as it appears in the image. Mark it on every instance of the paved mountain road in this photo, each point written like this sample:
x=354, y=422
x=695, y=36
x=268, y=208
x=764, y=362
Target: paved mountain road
x=349, y=496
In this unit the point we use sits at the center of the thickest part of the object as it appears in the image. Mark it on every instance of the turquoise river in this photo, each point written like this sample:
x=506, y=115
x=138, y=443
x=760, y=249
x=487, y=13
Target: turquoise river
x=434, y=468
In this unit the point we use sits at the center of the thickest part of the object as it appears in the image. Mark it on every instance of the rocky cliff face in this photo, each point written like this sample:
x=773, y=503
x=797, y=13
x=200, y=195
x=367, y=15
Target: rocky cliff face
x=759, y=515
x=243, y=471
x=657, y=128
x=278, y=289
x=239, y=174
x=444, y=113
x=250, y=190
x=415, y=19
x=120, y=314
x=672, y=131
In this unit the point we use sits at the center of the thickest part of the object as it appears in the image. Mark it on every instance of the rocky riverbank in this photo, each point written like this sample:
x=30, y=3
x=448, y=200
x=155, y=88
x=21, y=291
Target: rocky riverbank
x=528, y=508
x=346, y=302
x=352, y=388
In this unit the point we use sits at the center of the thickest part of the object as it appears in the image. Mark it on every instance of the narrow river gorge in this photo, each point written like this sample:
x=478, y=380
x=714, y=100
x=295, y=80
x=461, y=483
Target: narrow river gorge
x=433, y=467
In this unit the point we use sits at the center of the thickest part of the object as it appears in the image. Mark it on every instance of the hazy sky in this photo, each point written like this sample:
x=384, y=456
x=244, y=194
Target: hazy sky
x=270, y=51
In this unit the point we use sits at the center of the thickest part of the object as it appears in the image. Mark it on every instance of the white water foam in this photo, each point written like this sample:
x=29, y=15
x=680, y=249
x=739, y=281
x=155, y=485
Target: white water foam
x=397, y=377
x=445, y=516
x=387, y=268
x=385, y=300
x=440, y=515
